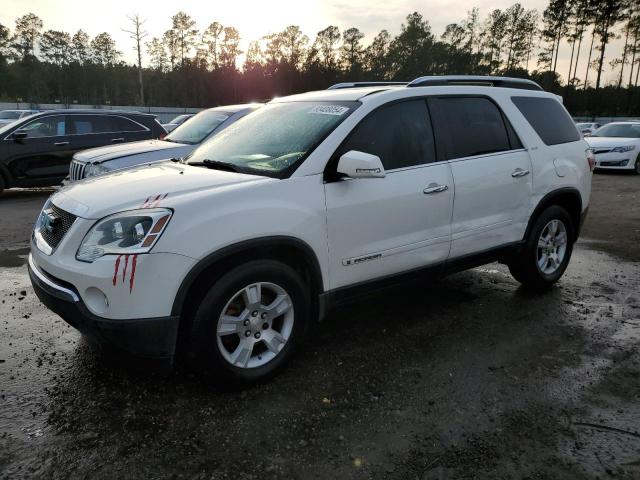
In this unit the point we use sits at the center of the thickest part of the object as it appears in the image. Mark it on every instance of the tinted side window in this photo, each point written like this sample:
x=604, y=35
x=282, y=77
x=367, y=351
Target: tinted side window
x=400, y=134
x=86, y=124
x=548, y=118
x=51, y=126
x=469, y=126
x=127, y=125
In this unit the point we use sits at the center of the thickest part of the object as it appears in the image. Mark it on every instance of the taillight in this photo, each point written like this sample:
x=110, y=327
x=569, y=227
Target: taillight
x=591, y=159
x=162, y=135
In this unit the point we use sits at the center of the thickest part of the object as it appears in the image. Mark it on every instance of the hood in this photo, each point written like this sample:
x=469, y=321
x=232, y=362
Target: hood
x=103, y=154
x=609, y=141
x=150, y=185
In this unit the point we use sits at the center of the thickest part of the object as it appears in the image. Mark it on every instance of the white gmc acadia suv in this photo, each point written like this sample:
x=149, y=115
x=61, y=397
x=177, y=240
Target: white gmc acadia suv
x=306, y=203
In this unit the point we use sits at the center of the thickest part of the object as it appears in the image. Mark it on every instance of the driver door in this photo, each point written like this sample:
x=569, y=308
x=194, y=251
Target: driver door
x=383, y=226
x=42, y=158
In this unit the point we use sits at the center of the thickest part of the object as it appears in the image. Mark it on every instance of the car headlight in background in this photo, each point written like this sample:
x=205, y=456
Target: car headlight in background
x=134, y=231
x=96, y=169
x=626, y=148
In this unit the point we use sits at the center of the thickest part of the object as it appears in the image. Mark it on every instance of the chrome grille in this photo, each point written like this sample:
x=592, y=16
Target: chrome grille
x=601, y=150
x=65, y=219
x=76, y=170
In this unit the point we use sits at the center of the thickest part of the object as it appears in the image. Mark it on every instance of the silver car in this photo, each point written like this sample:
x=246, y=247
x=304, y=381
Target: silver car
x=177, y=144
x=10, y=116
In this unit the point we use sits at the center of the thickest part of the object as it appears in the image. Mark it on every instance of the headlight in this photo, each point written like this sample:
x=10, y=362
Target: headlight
x=134, y=231
x=96, y=169
x=626, y=148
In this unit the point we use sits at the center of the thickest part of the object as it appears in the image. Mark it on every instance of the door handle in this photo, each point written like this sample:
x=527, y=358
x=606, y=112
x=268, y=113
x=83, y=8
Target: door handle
x=518, y=172
x=61, y=144
x=117, y=140
x=435, y=188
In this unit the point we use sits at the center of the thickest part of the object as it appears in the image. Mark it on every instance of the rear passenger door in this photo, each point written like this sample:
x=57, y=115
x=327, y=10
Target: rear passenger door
x=381, y=226
x=93, y=130
x=491, y=172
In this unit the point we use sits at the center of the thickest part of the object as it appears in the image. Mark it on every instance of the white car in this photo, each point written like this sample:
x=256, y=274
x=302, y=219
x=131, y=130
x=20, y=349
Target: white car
x=617, y=146
x=311, y=201
x=179, y=143
x=587, y=128
x=10, y=116
x=177, y=121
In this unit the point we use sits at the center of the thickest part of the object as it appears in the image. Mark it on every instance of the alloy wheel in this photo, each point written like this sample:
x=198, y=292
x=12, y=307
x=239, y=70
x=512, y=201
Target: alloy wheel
x=552, y=247
x=255, y=325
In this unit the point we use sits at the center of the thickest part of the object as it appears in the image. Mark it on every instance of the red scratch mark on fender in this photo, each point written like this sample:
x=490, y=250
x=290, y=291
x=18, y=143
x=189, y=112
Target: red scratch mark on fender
x=152, y=202
x=115, y=270
x=133, y=272
x=157, y=200
x=124, y=270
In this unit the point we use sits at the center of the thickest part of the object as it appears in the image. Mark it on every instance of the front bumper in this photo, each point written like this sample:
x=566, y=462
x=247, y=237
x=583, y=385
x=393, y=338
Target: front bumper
x=144, y=337
x=615, y=161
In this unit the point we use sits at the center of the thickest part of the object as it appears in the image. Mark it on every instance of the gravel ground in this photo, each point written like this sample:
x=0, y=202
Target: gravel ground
x=470, y=377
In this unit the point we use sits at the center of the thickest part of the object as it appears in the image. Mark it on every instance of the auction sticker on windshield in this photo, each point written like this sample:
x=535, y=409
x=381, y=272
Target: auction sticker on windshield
x=329, y=109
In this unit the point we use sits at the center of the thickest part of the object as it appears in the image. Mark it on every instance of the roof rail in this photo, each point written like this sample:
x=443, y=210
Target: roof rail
x=339, y=86
x=481, y=80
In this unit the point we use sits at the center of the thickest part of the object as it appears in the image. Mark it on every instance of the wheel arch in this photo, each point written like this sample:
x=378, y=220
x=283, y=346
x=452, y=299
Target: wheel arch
x=289, y=250
x=568, y=198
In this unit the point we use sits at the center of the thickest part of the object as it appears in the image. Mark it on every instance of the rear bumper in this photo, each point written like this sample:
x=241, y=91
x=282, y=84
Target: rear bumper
x=145, y=337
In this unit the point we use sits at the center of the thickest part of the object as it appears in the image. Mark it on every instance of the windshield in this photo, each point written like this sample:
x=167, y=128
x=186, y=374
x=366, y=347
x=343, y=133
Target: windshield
x=9, y=115
x=626, y=130
x=274, y=137
x=198, y=128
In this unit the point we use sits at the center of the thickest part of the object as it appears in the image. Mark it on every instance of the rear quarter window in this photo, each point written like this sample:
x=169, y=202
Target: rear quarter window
x=548, y=118
x=127, y=125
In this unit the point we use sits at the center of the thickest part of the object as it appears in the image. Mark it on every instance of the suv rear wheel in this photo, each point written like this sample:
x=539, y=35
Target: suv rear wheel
x=547, y=250
x=250, y=322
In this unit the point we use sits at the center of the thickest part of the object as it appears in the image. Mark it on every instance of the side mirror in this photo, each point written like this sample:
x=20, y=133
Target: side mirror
x=19, y=135
x=356, y=164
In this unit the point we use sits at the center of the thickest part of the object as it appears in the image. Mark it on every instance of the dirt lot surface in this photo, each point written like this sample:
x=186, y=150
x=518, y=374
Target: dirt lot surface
x=470, y=377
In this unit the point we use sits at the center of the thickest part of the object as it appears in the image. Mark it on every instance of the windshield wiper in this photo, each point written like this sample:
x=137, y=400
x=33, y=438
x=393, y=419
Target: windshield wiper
x=218, y=165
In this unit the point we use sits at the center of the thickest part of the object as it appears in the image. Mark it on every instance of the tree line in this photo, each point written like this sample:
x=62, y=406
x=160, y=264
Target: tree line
x=189, y=67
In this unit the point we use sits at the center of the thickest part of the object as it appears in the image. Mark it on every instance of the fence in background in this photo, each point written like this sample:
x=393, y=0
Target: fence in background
x=603, y=120
x=164, y=114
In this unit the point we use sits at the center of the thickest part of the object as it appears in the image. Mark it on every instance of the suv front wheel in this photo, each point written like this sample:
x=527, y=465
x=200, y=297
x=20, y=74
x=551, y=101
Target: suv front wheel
x=547, y=250
x=250, y=322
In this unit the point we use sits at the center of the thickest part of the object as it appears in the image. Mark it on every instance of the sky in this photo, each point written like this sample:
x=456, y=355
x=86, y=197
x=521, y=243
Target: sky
x=255, y=18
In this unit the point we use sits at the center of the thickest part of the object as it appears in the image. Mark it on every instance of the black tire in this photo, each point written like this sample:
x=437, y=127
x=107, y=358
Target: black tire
x=204, y=352
x=636, y=170
x=525, y=268
x=2, y=184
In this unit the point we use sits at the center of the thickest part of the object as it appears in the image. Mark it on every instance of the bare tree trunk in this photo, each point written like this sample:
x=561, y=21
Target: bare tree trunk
x=573, y=47
x=555, y=61
x=633, y=60
x=575, y=67
x=586, y=75
x=137, y=34
x=624, y=56
x=603, y=45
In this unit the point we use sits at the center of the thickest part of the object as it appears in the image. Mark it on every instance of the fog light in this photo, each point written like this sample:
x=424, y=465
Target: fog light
x=96, y=300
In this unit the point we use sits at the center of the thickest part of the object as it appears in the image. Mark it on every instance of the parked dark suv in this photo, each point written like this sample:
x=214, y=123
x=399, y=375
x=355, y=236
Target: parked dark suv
x=36, y=151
